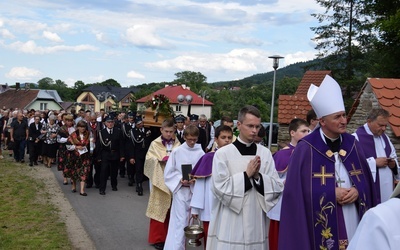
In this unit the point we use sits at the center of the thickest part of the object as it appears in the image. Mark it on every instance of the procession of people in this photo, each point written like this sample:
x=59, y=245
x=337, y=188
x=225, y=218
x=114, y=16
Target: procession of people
x=312, y=194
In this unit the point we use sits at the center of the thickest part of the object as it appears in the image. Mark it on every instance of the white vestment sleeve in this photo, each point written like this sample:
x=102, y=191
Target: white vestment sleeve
x=393, y=155
x=372, y=165
x=378, y=228
x=198, y=196
x=273, y=185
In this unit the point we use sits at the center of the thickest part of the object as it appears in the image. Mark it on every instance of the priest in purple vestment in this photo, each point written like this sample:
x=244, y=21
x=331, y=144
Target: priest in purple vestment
x=329, y=184
x=380, y=152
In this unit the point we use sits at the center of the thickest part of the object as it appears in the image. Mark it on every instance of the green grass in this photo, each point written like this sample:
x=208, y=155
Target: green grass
x=28, y=220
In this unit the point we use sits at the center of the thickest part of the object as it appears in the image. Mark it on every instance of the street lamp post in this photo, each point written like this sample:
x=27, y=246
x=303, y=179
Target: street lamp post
x=275, y=65
x=203, y=95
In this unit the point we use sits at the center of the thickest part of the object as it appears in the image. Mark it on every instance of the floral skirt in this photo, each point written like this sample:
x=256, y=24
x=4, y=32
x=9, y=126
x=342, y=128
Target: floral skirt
x=77, y=166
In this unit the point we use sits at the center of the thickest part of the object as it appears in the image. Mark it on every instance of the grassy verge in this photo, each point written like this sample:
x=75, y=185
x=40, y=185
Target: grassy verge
x=27, y=218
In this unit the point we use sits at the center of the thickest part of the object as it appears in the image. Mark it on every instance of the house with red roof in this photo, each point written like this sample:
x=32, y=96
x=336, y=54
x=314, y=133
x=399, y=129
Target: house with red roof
x=199, y=105
x=378, y=93
x=297, y=105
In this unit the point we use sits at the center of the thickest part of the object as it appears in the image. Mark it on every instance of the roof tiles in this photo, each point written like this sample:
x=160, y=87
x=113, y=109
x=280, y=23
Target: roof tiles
x=17, y=99
x=297, y=105
x=387, y=91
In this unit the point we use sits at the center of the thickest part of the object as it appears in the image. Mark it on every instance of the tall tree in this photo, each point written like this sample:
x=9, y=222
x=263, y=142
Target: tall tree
x=79, y=85
x=344, y=35
x=387, y=23
x=195, y=80
x=110, y=82
x=45, y=83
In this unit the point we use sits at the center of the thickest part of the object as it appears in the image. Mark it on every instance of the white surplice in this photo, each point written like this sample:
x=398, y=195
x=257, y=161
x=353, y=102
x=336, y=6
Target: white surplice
x=379, y=228
x=238, y=218
x=181, y=195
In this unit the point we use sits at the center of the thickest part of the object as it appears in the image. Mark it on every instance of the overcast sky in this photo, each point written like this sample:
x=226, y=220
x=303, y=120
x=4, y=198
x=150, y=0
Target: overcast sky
x=144, y=41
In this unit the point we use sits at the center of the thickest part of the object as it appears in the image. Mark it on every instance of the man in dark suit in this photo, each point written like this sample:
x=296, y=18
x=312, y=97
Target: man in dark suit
x=126, y=127
x=202, y=140
x=34, y=141
x=180, y=123
x=94, y=128
x=137, y=147
x=110, y=152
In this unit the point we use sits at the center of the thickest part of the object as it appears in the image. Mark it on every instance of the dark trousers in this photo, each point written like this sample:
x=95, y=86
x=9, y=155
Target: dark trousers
x=34, y=151
x=139, y=168
x=19, y=149
x=108, y=168
x=130, y=169
x=122, y=168
x=97, y=173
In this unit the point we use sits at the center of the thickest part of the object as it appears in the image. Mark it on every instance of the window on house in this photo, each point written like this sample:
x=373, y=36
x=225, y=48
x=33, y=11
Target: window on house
x=43, y=106
x=178, y=108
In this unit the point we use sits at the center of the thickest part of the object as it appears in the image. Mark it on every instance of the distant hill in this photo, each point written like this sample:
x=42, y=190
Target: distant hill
x=293, y=70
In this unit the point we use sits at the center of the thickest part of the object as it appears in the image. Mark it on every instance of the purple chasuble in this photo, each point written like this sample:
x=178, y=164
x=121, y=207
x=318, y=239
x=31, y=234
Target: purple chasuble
x=203, y=167
x=368, y=146
x=310, y=214
x=282, y=158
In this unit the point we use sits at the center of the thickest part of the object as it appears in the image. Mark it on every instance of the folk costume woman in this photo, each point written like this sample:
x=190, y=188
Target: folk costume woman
x=77, y=167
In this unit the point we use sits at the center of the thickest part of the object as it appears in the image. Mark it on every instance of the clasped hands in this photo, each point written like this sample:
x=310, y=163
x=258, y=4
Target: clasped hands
x=382, y=162
x=346, y=195
x=253, y=168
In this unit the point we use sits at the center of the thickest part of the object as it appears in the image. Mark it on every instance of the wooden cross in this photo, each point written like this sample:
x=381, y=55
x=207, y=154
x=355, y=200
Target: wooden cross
x=323, y=175
x=355, y=172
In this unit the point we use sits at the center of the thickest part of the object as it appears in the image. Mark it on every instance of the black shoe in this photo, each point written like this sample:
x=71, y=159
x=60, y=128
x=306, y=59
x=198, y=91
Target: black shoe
x=22, y=161
x=83, y=194
x=73, y=190
x=30, y=164
x=102, y=193
x=159, y=246
x=114, y=189
x=139, y=189
x=35, y=163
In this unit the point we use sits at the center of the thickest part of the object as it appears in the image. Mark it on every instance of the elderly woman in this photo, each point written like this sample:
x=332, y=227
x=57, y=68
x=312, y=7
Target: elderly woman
x=79, y=163
x=49, y=147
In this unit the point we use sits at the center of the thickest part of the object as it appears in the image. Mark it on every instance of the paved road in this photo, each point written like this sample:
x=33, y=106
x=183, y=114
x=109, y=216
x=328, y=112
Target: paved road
x=116, y=220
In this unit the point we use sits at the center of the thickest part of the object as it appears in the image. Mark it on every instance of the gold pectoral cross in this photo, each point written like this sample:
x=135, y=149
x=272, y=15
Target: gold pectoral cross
x=355, y=172
x=323, y=175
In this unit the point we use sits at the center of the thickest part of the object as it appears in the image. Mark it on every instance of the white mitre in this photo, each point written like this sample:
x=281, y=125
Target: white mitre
x=327, y=98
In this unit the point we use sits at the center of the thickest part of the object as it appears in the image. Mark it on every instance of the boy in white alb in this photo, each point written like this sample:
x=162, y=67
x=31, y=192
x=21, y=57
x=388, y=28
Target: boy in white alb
x=188, y=153
x=202, y=195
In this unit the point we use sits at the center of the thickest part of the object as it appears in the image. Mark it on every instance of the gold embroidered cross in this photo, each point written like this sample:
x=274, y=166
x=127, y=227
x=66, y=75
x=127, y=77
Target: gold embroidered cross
x=355, y=172
x=323, y=175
